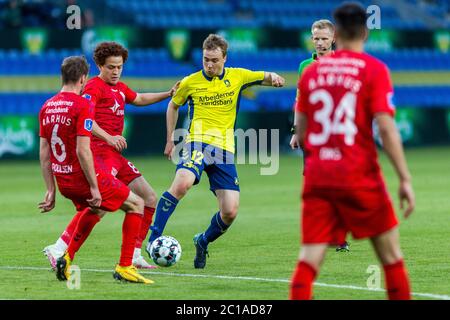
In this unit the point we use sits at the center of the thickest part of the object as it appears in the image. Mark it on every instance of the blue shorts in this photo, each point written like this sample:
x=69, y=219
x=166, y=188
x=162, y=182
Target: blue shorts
x=216, y=162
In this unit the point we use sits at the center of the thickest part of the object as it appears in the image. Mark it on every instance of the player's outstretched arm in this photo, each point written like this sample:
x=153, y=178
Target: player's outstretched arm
x=171, y=122
x=144, y=99
x=272, y=79
x=86, y=159
x=118, y=142
x=393, y=146
x=44, y=155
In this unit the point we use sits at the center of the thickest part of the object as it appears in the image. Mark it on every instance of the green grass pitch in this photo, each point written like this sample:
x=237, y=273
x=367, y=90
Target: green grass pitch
x=253, y=260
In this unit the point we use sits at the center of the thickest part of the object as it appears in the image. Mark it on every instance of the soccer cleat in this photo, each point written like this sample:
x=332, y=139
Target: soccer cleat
x=52, y=255
x=140, y=263
x=63, y=267
x=200, y=253
x=130, y=274
x=345, y=247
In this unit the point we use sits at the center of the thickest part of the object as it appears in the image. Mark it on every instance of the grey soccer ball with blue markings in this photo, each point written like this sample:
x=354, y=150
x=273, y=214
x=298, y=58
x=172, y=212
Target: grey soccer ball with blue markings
x=165, y=251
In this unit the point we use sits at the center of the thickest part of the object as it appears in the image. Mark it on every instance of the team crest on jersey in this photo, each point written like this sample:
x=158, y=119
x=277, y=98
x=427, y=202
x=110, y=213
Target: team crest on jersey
x=390, y=100
x=227, y=82
x=86, y=96
x=115, y=107
x=88, y=124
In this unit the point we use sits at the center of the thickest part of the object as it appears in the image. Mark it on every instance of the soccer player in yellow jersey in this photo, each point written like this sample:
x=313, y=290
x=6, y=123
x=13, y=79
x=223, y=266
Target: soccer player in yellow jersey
x=213, y=96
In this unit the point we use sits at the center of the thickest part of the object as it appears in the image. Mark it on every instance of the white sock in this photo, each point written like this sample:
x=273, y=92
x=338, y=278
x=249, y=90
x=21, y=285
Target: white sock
x=137, y=253
x=60, y=245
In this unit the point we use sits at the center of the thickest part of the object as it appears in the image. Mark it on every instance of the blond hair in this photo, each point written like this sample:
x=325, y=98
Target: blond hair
x=322, y=24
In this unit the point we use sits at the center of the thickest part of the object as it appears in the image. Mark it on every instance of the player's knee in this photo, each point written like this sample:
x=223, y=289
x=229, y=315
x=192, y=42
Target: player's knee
x=134, y=204
x=391, y=255
x=230, y=213
x=99, y=212
x=313, y=255
x=151, y=199
x=181, y=188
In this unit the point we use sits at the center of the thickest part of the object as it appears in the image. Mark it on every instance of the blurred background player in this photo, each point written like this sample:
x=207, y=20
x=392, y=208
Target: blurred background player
x=343, y=189
x=322, y=36
x=210, y=144
x=66, y=122
x=108, y=94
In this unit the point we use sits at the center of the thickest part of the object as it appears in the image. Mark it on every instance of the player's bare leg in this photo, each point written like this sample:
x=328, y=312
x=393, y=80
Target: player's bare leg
x=142, y=188
x=183, y=181
x=228, y=204
x=125, y=271
x=387, y=248
x=310, y=260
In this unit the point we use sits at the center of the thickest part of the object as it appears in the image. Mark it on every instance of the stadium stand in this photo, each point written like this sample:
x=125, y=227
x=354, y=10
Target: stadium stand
x=146, y=63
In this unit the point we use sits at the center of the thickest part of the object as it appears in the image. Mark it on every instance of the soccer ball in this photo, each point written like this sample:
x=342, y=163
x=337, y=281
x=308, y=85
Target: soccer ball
x=165, y=251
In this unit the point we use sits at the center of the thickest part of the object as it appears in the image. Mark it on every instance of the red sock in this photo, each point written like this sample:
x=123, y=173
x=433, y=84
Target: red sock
x=397, y=282
x=302, y=281
x=145, y=225
x=87, y=222
x=130, y=232
x=67, y=234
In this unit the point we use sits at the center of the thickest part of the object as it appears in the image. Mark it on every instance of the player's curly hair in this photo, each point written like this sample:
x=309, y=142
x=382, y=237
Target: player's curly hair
x=214, y=41
x=109, y=49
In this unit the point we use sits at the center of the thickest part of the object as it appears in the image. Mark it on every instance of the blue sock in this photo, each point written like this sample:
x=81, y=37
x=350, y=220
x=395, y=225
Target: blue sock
x=215, y=230
x=165, y=208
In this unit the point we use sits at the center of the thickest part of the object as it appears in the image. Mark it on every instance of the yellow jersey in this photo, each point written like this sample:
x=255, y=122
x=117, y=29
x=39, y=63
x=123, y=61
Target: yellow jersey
x=214, y=104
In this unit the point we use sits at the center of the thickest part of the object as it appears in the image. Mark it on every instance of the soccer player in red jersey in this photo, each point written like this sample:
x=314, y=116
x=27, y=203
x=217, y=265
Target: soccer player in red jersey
x=322, y=36
x=66, y=122
x=343, y=189
x=109, y=95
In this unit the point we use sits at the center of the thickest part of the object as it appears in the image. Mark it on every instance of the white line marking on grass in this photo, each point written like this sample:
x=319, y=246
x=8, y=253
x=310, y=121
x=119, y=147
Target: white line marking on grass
x=207, y=276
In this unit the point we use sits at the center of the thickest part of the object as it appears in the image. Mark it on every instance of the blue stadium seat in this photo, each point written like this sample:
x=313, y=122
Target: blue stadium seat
x=290, y=14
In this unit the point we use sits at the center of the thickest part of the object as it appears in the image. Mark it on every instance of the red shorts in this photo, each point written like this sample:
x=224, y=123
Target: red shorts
x=329, y=214
x=113, y=162
x=76, y=188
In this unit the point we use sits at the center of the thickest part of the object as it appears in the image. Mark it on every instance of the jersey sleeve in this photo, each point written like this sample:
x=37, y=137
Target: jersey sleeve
x=182, y=93
x=85, y=119
x=381, y=93
x=250, y=77
x=41, y=127
x=130, y=95
x=302, y=67
x=302, y=94
x=91, y=92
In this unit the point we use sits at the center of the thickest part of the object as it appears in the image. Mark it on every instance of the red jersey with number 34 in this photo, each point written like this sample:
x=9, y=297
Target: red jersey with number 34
x=109, y=101
x=340, y=95
x=62, y=118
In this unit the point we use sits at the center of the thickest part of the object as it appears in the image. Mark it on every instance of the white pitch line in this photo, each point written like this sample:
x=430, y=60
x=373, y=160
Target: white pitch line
x=319, y=284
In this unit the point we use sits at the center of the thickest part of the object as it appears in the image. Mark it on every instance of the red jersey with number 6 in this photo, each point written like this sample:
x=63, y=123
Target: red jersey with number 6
x=340, y=95
x=109, y=101
x=61, y=119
